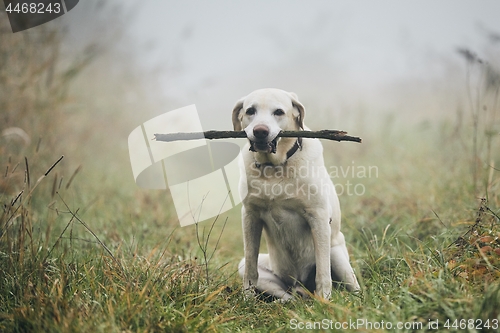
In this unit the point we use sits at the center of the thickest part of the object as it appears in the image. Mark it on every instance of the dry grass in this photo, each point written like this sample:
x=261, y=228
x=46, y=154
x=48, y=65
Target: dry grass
x=82, y=249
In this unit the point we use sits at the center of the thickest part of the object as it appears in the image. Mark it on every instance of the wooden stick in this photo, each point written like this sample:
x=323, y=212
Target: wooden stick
x=323, y=134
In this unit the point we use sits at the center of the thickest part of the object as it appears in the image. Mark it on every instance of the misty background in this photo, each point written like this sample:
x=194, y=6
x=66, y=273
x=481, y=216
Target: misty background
x=370, y=68
x=339, y=57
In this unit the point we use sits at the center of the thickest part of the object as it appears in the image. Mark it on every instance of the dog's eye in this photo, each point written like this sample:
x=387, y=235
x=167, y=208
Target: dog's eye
x=279, y=112
x=251, y=111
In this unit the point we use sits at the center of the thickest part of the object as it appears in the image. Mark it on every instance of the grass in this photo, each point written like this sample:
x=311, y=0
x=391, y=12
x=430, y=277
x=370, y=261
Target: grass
x=82, y=249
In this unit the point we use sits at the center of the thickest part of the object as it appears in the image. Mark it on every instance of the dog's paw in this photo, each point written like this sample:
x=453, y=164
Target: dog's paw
x=249, y=292
x=323, y=294
x=324, y=289
x=353, y=287
x=285, y=298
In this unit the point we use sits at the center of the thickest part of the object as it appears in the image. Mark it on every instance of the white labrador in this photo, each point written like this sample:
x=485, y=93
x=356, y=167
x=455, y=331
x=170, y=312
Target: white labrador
x=287, y=193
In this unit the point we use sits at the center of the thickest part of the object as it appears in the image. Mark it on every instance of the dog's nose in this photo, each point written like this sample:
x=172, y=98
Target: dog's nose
x=261, y=131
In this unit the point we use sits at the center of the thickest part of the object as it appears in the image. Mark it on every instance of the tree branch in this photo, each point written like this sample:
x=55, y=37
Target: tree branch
x=323, y=134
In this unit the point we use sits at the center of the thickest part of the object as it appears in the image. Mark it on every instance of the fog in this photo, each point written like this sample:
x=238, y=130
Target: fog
x=339, y=57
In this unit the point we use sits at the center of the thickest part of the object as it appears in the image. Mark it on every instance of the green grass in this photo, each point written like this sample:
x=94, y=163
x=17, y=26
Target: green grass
x=98, y=254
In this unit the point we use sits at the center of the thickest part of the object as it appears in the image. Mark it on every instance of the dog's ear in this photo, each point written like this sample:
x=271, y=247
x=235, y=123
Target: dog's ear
x=302, y=112
x=236, y=115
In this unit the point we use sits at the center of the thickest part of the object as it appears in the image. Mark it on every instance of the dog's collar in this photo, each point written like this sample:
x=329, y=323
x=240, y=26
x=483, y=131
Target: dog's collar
x=297, y=145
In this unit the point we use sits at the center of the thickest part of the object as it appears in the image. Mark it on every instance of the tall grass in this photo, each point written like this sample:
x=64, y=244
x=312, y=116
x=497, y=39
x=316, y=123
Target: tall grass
x=82, y=249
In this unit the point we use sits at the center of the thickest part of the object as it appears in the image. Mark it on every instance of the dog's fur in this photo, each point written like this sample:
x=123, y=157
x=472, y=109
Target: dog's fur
x=292, y=199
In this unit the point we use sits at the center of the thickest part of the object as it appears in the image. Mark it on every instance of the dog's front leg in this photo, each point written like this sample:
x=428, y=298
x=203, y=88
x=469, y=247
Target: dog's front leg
x=252, y=232
x=321, y=231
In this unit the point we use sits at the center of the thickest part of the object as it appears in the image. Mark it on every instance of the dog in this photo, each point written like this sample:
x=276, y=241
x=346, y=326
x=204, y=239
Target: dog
x=287, y=193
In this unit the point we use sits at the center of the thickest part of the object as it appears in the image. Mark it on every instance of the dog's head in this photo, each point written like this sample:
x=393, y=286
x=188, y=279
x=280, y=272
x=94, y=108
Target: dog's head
x=266, y=112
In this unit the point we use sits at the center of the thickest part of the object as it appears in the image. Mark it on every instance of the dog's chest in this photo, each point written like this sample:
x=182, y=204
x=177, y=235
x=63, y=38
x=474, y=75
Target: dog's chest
x=274, y=185
x=288, y=235
x=278, y=194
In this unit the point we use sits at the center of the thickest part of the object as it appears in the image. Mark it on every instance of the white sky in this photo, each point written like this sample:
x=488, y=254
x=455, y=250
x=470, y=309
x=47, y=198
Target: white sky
x=330, y=52
x=375, y=37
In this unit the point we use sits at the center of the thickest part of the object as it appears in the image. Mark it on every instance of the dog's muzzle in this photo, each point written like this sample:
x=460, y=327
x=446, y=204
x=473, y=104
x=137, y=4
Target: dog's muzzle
x=261, y=141
x=264, y=147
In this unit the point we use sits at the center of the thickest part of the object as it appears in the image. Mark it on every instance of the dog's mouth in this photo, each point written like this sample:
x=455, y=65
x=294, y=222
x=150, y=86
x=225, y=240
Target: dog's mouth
x=264, y=147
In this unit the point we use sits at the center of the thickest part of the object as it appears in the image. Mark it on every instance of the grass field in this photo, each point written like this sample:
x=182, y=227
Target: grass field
x=83, y=249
